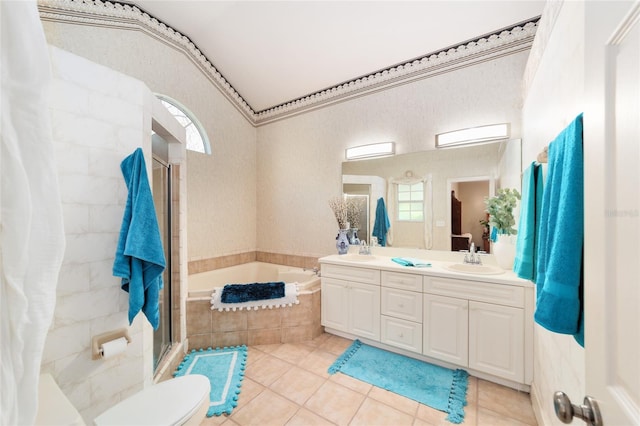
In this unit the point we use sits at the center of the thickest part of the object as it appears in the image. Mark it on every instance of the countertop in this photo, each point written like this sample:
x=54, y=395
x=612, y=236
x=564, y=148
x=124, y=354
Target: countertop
x=437, y=268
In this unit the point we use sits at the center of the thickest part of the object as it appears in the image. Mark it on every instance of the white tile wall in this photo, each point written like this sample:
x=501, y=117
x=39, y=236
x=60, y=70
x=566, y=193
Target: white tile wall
x=555, y=95
x=97, y=120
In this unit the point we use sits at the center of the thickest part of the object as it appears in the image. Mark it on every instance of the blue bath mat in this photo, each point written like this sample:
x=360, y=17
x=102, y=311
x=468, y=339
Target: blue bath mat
x=225, y=370
x=437, y=387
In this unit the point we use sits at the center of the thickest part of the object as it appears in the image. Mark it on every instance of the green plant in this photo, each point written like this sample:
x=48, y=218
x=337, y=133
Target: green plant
x=500, y=208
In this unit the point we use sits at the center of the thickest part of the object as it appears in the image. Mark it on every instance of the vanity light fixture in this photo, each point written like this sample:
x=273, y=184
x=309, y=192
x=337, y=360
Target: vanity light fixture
x=372, y=150
x=473, y=135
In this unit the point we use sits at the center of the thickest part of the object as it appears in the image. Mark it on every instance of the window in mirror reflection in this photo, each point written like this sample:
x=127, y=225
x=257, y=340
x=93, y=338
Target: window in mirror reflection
x=411, y=202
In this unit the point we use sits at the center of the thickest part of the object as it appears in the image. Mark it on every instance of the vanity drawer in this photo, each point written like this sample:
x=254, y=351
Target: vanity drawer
x=500, y=294
x=348, y=273
x=402, y=281
x=402, y=334
x=401, y=304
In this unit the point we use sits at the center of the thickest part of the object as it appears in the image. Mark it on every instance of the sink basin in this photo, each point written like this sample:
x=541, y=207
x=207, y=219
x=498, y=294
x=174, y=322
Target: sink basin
x=358, y=257
x=466, y=268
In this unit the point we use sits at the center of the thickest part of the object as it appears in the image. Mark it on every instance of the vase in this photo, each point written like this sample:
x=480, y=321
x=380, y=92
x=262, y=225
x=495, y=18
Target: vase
x=504, y=250
x=353, y=237
x=342, y=241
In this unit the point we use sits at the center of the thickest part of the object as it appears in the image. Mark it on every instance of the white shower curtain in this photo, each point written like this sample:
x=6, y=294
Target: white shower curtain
x=31, y=229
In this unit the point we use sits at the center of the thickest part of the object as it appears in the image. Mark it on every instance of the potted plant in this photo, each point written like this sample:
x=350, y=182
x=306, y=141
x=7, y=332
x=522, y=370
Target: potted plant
x=500, y=208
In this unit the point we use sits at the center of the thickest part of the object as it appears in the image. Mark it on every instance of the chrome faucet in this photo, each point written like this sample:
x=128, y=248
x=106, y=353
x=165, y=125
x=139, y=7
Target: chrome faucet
x=472, y=257
x=364, y=248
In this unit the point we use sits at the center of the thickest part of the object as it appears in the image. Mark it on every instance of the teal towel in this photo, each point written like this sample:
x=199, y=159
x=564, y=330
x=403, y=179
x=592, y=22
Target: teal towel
x=381, y=225
x=559, y=267
x=524, y=264
x=139, y=257
x=411, y=261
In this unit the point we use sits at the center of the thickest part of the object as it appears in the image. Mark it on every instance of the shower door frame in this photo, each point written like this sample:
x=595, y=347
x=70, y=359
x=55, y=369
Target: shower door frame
x=168, y=324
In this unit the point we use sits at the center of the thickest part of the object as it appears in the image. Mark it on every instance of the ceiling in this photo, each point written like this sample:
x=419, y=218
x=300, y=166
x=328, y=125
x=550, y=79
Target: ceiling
x=273, y=52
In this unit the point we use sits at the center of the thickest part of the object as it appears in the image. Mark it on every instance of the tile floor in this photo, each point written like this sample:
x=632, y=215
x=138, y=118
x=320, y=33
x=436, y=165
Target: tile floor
x=288, y=384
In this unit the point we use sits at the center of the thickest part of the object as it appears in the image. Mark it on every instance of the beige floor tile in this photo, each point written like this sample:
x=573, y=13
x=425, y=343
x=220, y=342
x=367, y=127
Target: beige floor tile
x=335, y=403
x=351, y=383
x=472, y=390
x=297, y=385
x=431, y=415
x=292, y=352
x=305, y=417
x=394, y=400
x=277, y=392
x=248, y=391
x=374, y=412
x=336, y=345
x=267, y=369
x=487, y=417
x=318, y=362
x=318, y=341
x=505, y=401
x=254, y=354
x=420, y=422
x=213, y=421
x=267, y=348
x=268, y=408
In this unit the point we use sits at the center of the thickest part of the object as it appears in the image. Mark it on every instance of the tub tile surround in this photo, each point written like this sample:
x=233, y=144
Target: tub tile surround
x=212, y=328
x=218, y=262
x=288, y=384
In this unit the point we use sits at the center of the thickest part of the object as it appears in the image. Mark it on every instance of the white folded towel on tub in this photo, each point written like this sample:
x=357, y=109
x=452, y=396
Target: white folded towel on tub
x=290, y=298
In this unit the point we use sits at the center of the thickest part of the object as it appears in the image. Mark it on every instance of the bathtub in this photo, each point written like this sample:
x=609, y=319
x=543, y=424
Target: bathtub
x=201, y=285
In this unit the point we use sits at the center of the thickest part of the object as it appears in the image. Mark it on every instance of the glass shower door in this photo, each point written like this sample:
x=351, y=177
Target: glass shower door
x=162, y=201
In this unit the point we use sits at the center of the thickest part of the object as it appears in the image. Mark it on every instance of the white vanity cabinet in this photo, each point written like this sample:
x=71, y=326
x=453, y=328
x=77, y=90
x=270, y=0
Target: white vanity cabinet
x=351, y=300
x=475, y=324
x=481, y=324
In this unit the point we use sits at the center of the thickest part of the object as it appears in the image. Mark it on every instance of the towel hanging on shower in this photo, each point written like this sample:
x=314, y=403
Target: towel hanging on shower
x=140, y=257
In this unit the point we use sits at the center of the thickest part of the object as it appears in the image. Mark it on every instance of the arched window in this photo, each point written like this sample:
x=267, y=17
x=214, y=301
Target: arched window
x=197, y=139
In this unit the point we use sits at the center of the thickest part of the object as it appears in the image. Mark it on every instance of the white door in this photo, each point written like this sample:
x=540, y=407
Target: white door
x=612, y=209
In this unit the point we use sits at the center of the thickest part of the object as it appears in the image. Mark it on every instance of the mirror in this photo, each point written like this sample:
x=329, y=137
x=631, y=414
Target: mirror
x=473, y=172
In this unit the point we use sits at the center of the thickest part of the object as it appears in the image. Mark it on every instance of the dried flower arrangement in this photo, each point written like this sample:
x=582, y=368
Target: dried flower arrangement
x=340, y=209
x=354, y=205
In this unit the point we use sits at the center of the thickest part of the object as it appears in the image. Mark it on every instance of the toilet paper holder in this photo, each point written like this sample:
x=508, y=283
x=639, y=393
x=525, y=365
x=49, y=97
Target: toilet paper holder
x=100, y=339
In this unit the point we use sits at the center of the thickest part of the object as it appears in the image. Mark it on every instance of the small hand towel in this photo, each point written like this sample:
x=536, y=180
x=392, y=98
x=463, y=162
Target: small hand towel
x=411, y=261
x=140, y=257
x=530, y=208
x=559, y=267
x=382, y=224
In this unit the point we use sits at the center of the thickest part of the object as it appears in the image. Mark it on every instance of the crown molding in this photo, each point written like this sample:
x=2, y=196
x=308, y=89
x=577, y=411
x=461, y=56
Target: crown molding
x=124, y=16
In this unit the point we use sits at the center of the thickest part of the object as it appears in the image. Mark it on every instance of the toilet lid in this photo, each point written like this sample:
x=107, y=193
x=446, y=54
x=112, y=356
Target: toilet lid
x=171, y=402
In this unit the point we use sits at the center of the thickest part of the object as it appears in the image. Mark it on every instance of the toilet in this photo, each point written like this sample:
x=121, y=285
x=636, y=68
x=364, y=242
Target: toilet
x=180, y=401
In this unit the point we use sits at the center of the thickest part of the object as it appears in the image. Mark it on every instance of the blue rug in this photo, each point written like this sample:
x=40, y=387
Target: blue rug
x=437, y=387
x=225, y=370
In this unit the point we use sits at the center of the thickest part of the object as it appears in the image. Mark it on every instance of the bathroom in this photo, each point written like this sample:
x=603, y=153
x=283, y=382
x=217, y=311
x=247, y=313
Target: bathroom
x=241, y=200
